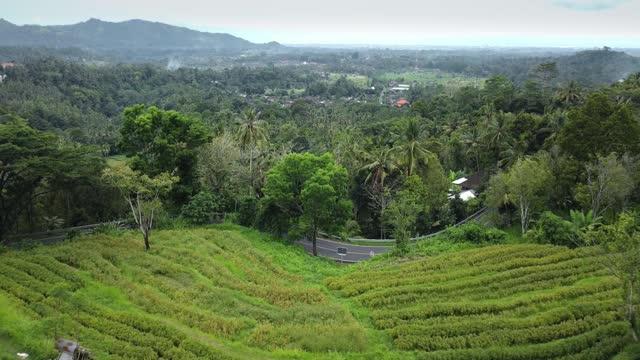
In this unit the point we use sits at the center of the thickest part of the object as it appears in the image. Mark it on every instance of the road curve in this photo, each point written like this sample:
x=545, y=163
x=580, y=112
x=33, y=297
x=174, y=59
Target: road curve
x=355, y=253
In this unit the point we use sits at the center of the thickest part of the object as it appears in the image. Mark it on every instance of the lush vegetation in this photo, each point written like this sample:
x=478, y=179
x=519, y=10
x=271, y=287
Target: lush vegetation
x=300, y=143
x=212, y=293
x=226, y=292
x=507, y=302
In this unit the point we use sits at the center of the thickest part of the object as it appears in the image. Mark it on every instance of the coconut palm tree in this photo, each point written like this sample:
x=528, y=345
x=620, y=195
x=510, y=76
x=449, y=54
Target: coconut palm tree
x=380, y=163
x=473, y=142
x=250, y=133
x=411, y=147
x=496, y=130
x=571, y=94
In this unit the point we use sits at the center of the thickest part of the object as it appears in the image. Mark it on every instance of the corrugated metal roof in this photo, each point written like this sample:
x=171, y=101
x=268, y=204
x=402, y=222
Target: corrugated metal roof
x=459, y=181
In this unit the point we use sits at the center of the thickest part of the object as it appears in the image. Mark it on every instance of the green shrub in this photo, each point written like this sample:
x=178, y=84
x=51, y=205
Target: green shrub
x=201, y=208
x=72, y=234
x=232, y=218
x=247, y=207
x=109, y=229
x=552, y=229
x=474, y=232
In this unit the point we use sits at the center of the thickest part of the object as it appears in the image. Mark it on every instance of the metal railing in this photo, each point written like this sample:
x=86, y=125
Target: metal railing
x=471, y=217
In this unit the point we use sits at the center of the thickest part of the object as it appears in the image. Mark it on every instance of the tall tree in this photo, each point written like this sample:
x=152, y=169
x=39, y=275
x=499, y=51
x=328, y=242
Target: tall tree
x=161, y=141
x=250, y=133
x=570, y=94
x=600, y=127
x=142, y=193
x=547, y=71
x=496, y=131
x=380, y=163
x=411, y=147
x=305, y=193
x=34, y=163
x=325, y=202
x=525, y=185
x=608, y=185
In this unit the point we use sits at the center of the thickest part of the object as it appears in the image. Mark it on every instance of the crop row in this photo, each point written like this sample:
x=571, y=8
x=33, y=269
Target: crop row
x=493, y=306
x=456, y=326
x=464, y=259
x=355, y=287
x=549, y=350
x=489, y=289
x=506, y=337
x=483, y=280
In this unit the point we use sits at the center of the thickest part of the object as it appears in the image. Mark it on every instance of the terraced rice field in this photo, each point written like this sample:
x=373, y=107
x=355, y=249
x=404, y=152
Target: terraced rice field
x=225, y=292
x=501, y=302
x=198, y=294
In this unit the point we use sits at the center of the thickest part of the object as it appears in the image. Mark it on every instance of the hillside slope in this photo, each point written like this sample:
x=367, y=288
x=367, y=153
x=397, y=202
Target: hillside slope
x=225, y=292
x=501, y=302
x=212, y=294
x=131, y=34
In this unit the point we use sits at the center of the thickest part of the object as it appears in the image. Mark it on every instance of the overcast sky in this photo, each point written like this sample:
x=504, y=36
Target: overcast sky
x=563, y=23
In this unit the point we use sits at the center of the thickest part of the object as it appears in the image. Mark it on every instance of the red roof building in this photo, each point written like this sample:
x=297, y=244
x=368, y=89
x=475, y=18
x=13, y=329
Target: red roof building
x=401, y=103
x=6, y=65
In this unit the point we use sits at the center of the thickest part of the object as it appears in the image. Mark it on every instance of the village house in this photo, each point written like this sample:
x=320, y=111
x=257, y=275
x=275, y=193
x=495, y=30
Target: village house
x=401, y=103
x=468, y=187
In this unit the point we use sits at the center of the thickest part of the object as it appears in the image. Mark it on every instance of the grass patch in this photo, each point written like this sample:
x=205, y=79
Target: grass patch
x=426, y=77
x=361, y=81
x=116, y=161
x=228, y=292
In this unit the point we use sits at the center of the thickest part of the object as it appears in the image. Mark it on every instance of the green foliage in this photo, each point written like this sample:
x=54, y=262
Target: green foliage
x=552, y=229
x=526, y=186
x=307, y=192
x=497, y=302
x=201, y=208
x=34, y=163
x=163, y=141
x=216, y=293
x=608, y=185
x=476, y=233
x=142, y=193
x=583, y=136
x=109, y=229
x=619, y=247
x=247, y=208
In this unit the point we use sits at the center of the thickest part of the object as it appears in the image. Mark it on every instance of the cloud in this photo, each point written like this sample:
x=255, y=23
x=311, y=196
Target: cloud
x=589, y=5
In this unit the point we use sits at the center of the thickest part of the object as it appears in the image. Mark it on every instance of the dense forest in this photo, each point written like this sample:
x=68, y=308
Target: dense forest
x=467, y=130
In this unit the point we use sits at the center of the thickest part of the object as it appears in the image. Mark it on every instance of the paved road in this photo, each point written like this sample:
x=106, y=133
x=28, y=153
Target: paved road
x=355, y=253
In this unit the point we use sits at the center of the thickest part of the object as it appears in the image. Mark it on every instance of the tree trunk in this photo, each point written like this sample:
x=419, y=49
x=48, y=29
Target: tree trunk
x=146, y=234
x=251, y=167
x=631, y=314
x=524, y=214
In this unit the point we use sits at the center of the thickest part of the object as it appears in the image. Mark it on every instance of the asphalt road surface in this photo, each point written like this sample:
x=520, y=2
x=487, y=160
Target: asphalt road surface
x=355, y=253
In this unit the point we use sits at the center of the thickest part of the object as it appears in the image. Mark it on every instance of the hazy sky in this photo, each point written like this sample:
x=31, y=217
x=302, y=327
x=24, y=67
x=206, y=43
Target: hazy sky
x=579, y=23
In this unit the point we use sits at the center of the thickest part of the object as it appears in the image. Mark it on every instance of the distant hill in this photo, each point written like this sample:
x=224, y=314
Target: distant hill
x=127, y=35
x=593, y=67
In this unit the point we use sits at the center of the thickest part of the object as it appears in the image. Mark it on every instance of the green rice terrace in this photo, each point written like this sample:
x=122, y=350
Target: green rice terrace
x=226, y=292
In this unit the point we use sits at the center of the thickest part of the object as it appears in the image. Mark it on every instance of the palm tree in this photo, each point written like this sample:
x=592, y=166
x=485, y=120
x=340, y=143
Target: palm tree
x=571, y=94
x=411, y=148
x=380, y=163
x=251, y=132
x=496, y=130
x=454, y=123
x=512, y=151
x=581, y=222
x=473, y=142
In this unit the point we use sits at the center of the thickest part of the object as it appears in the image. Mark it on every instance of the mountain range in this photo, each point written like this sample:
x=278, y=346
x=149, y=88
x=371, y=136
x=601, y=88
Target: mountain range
x=132, y=34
